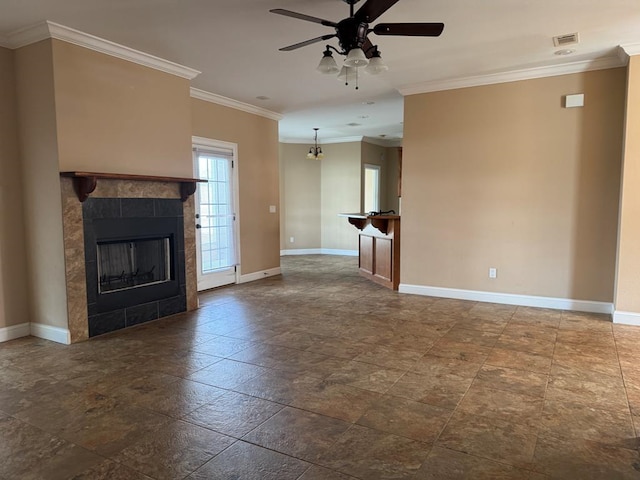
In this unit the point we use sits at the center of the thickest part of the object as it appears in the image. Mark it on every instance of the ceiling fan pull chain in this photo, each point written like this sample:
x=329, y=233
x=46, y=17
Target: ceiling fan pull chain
x=357, y=79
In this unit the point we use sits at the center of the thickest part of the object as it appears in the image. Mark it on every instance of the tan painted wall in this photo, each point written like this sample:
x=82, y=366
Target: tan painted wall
x=393, y=158
x=503, y=176
x=14, y=307
x=41, y=181
x=257, y=139
x=119, y=117
x=341, y=171
x=300, y=198
x=627, y=298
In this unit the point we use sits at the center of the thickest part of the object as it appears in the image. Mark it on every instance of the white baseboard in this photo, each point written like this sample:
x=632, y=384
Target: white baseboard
x=319, y=251
x=13, y=332
x=301, y=251
x=250, y=277
x=627, y=318
x=55, y=334
x=333, y=251
x=509, y=299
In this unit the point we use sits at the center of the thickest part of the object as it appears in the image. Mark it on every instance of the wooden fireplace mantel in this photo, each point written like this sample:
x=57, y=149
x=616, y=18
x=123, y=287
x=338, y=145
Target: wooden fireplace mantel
x=85, y=183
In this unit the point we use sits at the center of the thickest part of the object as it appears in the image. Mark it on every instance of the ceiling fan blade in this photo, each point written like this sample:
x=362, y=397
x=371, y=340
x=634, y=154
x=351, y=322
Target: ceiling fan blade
x=307, y=42
x=302, y=16
x=372, y=9
x=367, y=47
x=409, y=29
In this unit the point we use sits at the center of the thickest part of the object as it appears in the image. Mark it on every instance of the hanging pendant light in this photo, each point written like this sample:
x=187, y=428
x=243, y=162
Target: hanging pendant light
x=328, y=64
x=315, y=152
x=356, y=58
x=346, y=73
x=376, y=65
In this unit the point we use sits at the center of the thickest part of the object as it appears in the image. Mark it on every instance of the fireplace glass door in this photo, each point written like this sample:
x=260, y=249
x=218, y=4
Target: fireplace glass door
x=129, y=264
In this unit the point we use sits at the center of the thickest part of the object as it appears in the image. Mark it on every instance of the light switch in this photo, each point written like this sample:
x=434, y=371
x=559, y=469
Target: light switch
x=575, y=100
x=272, y=209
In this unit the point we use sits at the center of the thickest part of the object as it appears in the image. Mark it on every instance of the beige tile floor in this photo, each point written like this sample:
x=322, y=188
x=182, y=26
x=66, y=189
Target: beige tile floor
x=320, y=375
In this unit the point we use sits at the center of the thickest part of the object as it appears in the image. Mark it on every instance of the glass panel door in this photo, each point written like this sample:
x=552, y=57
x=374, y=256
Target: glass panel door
x=215, y=219
x=371, y=188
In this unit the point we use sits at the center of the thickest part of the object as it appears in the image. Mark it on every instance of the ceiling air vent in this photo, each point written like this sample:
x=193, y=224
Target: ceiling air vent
x=353, y=124
x=568, y=39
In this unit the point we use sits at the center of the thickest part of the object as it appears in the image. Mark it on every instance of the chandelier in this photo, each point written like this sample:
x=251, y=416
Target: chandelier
x=315, y=152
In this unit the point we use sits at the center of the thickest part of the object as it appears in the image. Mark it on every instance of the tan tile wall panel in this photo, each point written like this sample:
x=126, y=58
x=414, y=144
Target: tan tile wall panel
x=74, y=262
x=189, y=211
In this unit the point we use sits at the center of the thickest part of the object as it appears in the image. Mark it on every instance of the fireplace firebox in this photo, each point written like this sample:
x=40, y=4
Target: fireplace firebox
x=134, y=259
x=133, y=263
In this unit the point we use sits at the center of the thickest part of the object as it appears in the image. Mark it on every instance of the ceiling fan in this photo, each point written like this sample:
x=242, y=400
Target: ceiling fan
x=352, y=33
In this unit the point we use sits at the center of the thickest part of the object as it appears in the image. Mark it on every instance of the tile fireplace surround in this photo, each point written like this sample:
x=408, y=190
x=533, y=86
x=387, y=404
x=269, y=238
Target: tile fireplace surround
x=74, y=243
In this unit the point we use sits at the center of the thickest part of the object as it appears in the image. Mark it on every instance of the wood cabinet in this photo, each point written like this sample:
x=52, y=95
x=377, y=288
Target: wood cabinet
x=379, y=247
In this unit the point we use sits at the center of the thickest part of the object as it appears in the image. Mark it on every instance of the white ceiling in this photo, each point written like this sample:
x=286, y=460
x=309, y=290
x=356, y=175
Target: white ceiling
x=234, y=43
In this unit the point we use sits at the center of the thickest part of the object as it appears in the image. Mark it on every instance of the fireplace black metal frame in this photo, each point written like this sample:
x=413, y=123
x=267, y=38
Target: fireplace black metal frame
x=121, y=219
x=131, y=229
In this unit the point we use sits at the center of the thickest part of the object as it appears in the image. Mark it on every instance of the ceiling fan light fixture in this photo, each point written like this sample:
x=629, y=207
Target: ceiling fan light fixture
x=346, y=73
x=356, y=58
x=376, y=64
x=352, y=34
x=328, y=65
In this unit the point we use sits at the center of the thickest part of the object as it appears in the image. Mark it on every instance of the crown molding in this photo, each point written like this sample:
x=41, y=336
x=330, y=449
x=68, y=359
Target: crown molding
x=383, y=142
x=231, y=103
x=28, y=35
x=354, y=138
x=623, y=55
x=324, y=141
x=396, y=142
x=628, y=50
x=297, y=141
x=45, y=30
x=513, y=76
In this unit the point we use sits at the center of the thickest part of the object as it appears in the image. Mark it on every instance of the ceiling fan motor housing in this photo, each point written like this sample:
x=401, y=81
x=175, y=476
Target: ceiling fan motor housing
x=352, y=33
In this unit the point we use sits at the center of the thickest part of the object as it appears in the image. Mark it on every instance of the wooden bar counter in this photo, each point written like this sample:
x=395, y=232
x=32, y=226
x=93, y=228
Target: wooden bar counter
x=379, y=252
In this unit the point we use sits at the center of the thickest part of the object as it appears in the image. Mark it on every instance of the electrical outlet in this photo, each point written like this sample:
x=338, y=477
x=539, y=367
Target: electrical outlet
x=291, y=239
x=493, y=272
x=272, y=209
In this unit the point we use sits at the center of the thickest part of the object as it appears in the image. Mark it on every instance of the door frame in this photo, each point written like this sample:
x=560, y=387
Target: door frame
x=211, y=143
